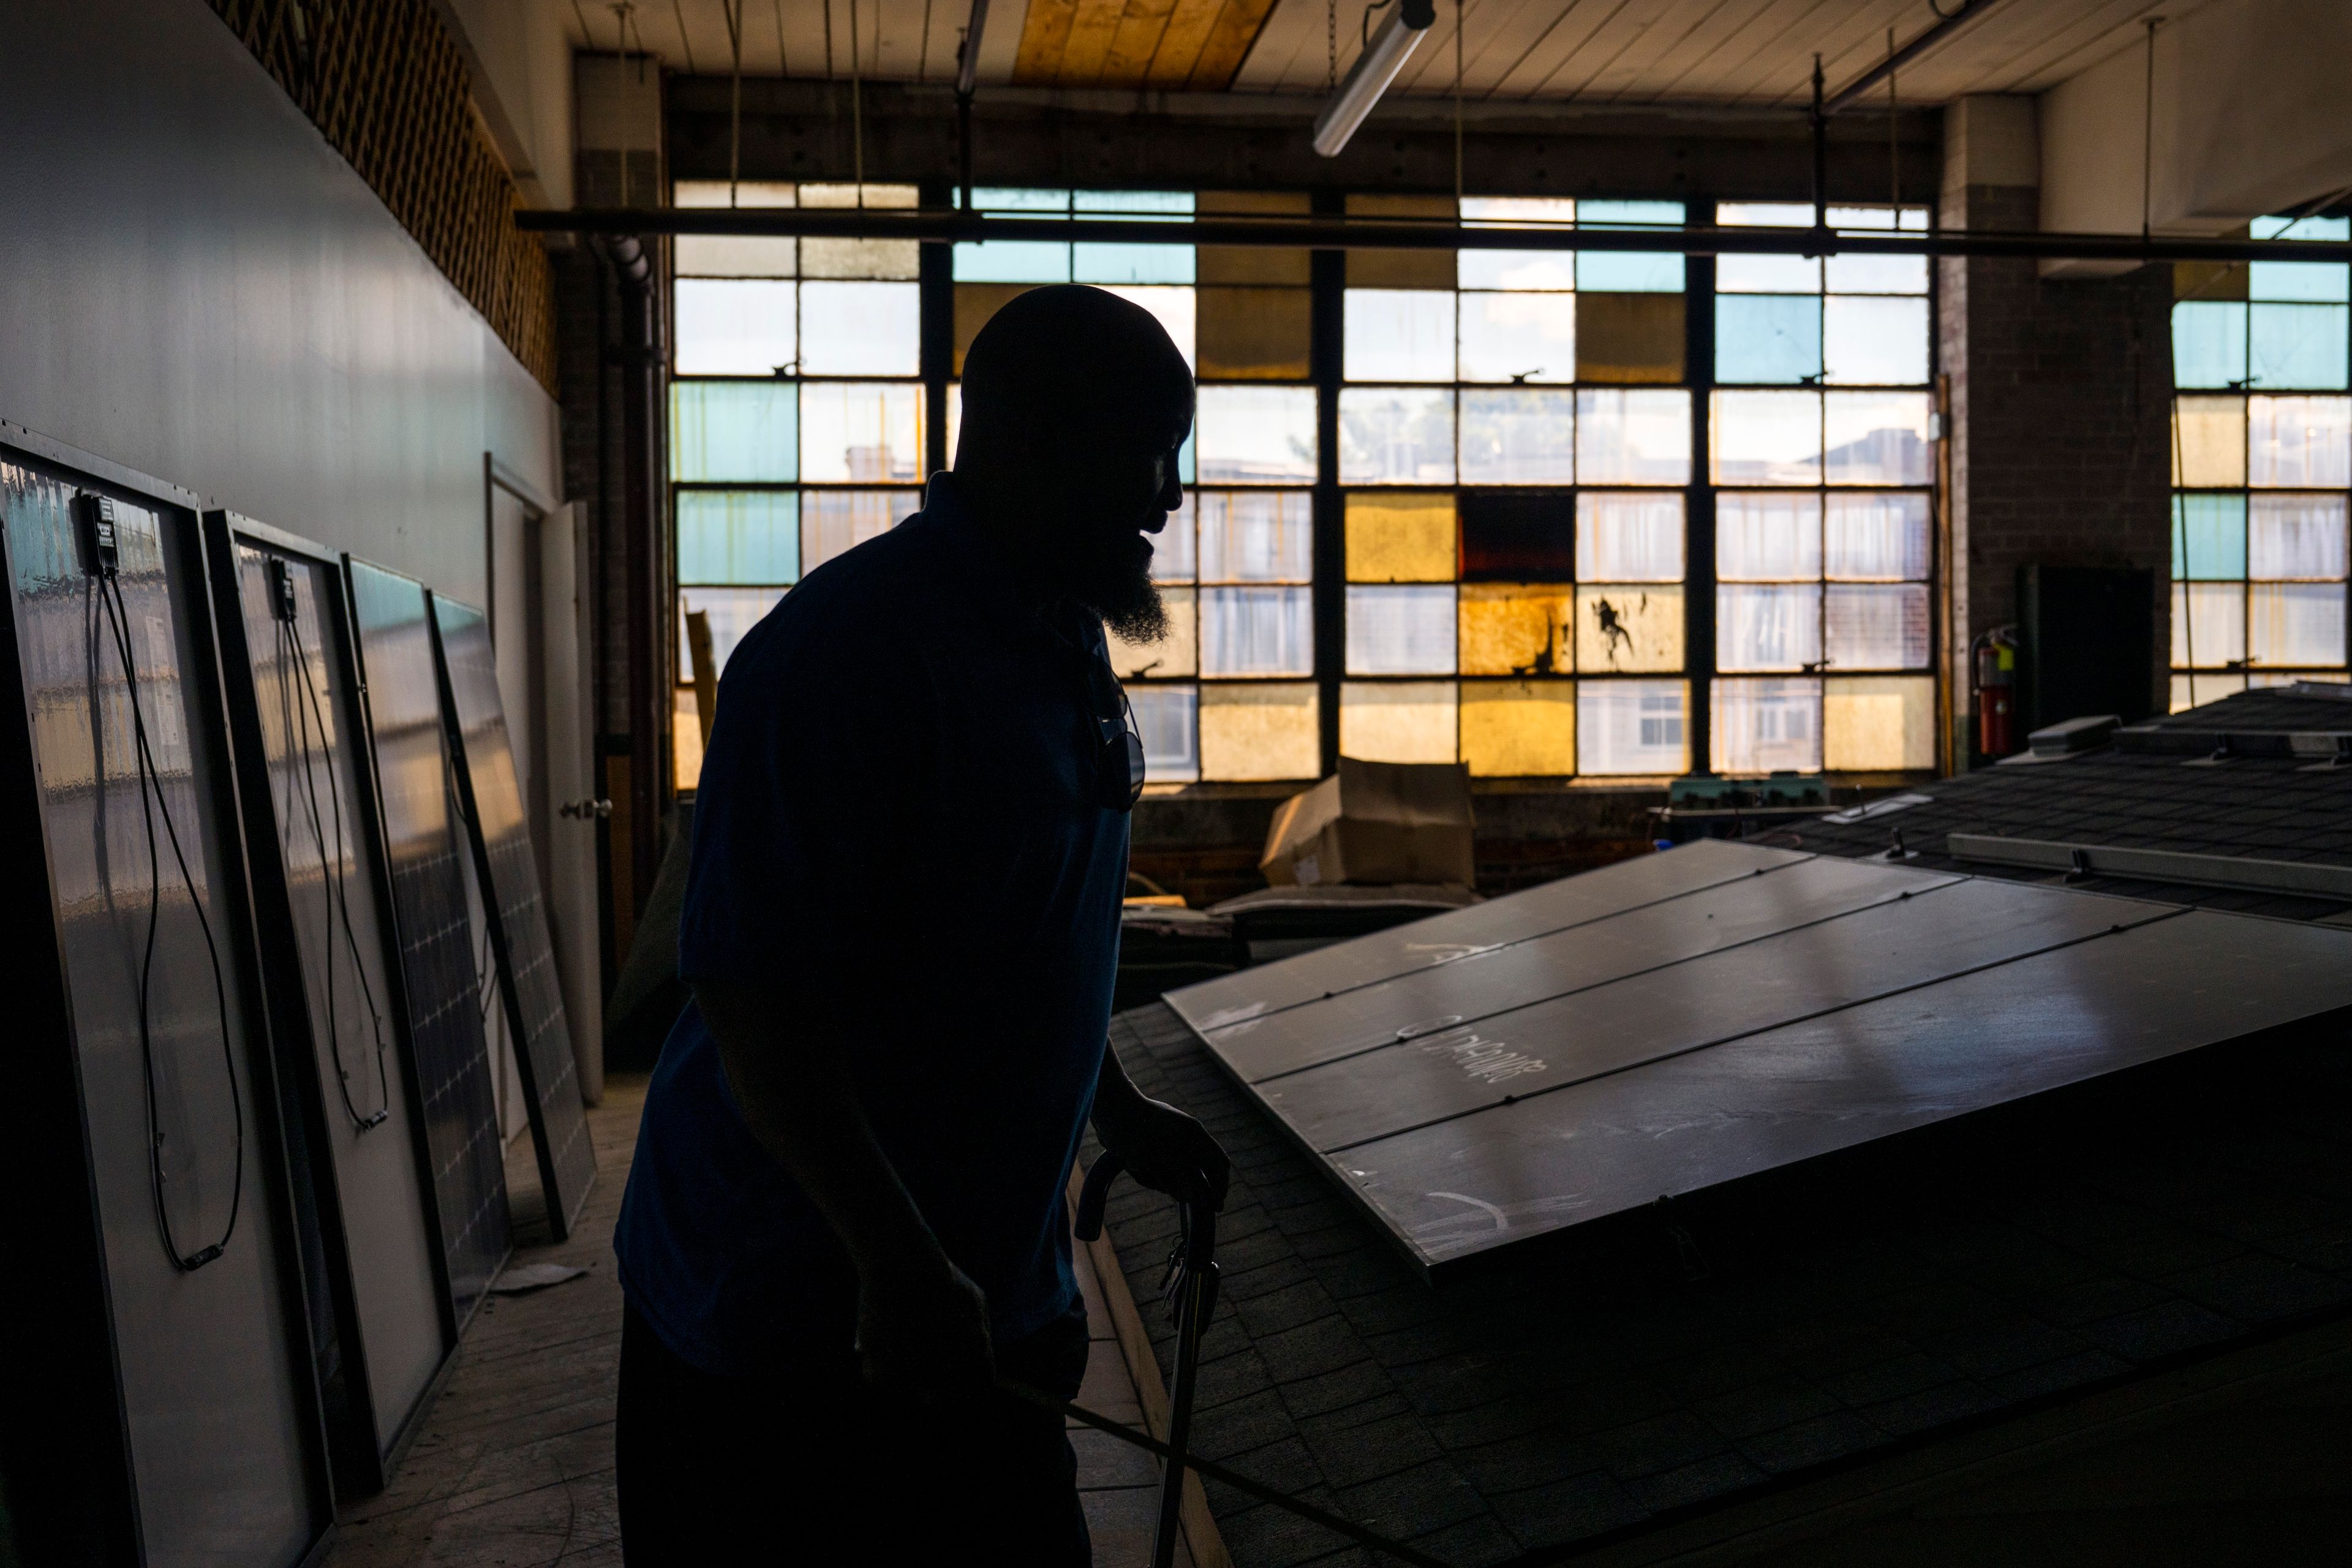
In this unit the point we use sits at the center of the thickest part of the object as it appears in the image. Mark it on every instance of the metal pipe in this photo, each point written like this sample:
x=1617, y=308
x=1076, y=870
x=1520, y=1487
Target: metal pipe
x=639, y=354
x=1969, y=13
x=1400, y=34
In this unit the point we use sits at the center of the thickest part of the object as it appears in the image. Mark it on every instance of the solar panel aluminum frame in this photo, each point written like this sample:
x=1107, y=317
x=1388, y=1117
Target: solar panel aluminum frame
x=77, y=1485
x=364, y=1453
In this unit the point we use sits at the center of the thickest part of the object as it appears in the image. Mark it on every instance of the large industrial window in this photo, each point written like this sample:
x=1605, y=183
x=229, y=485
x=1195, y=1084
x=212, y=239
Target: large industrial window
x=2262, y=467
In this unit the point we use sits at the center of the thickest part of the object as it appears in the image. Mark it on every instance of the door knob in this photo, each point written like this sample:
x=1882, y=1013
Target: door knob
x=585, y=809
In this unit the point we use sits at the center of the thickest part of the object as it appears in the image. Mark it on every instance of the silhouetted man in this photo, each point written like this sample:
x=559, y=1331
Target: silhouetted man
x=910, y=844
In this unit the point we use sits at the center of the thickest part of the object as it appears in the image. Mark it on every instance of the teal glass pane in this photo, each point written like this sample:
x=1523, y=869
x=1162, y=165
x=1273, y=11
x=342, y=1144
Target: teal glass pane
x=2208, y=538
x=1629, y=272
x=2337, y=228
x=731, y=431
x=1012, y=261
x=2298, y=346
x=751, y=536
x=1006, y=199
x=1132, y=263
x=2209, y=344
x=2322, y=282
x=1184, y=455
x=1771, y=340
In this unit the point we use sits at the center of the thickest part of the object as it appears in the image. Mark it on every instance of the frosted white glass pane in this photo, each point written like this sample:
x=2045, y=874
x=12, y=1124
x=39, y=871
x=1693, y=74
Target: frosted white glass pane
x=1766, y=726
x=2299, y=443
x=1172, y=309
x=1400, y=630
x=1130, y=264
x=2209, y=625
x=1396, y=436
x=1166, y=717
x=2293, y=536
x=2207, y=685
x=1255, y=536
x=1767, y=536
x=861, y=328
x=1255, y=435
x=733, y=326
x=1517, y=337
x=1550, y=270
x=1400, y=334
x=1765, y=274
x=1631, y=727
x=1764, y=214
x=1876, y=538
x=1876, y=626
x=861, y=431
x=2296, y=622
x=1868, y=341
x=1766, y=437
x=726, y=255
x=732, y=612
x=898, y=258
x=833, y=522
x=1512, y=437
x=1398, y=722
x=1176, y=652
x=1761, y=626
x=1629, y=537
x=1632, y=438
x=1874, y=437
x=1257, y=631
x=1172, y=553
x=1877, y=274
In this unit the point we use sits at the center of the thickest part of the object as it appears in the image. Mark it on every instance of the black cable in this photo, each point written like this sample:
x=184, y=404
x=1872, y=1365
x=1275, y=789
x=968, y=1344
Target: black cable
x=296, y=722
x=150, y=798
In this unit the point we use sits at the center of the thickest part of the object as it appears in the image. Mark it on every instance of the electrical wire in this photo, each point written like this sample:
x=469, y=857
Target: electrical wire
x=151, y=804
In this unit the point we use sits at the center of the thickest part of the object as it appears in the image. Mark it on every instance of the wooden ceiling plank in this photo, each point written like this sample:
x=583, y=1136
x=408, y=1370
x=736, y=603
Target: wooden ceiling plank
x=1141, y=26
x=1756, y=42
x=1602, y=48
x=1549, y=52
x=1291, y=39
x=1044, y=36
x=1089, y=48
x=1188, y=29
x=1238, y=24
x=1634, y=73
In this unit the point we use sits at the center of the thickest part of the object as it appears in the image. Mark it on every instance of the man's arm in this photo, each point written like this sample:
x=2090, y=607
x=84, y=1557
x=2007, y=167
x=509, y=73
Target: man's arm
x=921, y=1322
x=1164, y=1149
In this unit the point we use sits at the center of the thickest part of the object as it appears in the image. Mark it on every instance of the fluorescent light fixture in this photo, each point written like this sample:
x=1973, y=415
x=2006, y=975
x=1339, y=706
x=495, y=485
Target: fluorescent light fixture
x=1401, y=32
x=968, y=67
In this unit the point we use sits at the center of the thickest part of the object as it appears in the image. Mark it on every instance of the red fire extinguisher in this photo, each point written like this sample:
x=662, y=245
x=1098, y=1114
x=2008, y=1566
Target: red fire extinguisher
x=1994, y=654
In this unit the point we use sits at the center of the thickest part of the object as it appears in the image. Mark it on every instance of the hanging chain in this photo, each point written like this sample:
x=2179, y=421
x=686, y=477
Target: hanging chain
x=1332, y=46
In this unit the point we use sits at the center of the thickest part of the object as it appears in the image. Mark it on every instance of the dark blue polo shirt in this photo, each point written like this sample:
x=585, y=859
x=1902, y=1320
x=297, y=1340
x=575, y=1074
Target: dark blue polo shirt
x=898, y=830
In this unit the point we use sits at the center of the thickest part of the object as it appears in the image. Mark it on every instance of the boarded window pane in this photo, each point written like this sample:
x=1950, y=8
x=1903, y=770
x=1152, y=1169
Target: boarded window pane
x=1633, y=338
x=1875, y=341
x=833, y=522
x=1766, y=726
x=861, y=328
x=732, y=327
x=1517, y=628
x=738, y=536
x=1874, y=437
x=1766, y=437
x=2295, y=624
x=1518, y=536
x=1171, y=307
x=1767, y=628
x=1767, y=338
x=1876, y=538
x=2209, y=625
x=1395, y=436
x=974, y=304
x=2299, y=443
x=1518, y=437
x=1517, y=729
x=1398, y=334
x=1255, y=536
x=1257, y=631
x=1166, y=717
x=2209, y=537
x=1400, y=630
x=1517, y=337
x=1172, y=553
x=2209, y=442
x=861, y=431
x=1396, y=722
x=1254, y=334
x=1178, y=653
x=1629, y=538
x=2296, y=346
x=2296, y=537
x=1767, y=536
x=1260, y=732
x=1873, y=722
x=1248, y=264
x=1400, y=268
x=733, y=430
x=2209, y=344
x=1876, y=626
x=1631, y=726
x=1632, y=438
x=1255, y=435
x=1401, y=538
x=1630, y=626
x=732, y=612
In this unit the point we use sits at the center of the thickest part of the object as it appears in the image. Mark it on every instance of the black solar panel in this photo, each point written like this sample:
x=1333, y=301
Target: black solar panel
x=528, y=986
x=435, y=938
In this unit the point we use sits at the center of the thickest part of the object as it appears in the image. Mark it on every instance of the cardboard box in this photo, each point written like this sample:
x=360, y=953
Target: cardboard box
x=1375, y=823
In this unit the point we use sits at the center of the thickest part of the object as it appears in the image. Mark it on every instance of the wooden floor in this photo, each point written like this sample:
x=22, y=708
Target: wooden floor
x=514, y=1467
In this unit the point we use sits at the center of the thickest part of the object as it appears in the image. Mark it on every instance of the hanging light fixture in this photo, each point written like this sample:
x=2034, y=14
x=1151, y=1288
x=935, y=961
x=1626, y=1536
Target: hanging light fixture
x=1401, y=32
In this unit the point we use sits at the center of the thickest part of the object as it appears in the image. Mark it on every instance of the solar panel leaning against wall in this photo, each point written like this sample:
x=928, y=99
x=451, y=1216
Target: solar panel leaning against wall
x=157, y=1404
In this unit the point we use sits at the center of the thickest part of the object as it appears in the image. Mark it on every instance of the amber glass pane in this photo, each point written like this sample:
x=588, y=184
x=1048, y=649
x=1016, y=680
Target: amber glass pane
x=2210, y=279
x=1178, y=653
x=1875, y=722
x=1400, y=537
x=1396, y=722
x=1248, y=264
x=2208, y=443
x=1400, y=268
x=1629, y=337
x=1252, y=334
x=1634, y=627
x=1515, y=729
x=1516, y=628
x=686, y=738
x=1253, y=731
x=974, y=304
x=1518, y=536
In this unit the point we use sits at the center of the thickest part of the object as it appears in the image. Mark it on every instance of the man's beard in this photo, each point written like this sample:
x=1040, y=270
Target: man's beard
x=1116, y=586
